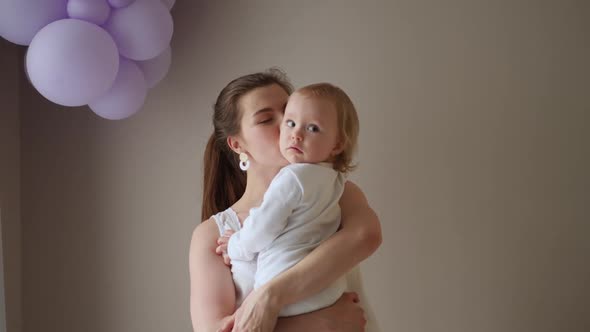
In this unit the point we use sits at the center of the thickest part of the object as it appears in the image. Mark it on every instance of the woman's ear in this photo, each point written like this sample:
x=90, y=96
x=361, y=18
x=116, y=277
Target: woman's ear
x=234, y=144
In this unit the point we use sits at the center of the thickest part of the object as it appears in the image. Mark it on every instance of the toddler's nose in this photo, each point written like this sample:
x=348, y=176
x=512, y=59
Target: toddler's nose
x=296, y=136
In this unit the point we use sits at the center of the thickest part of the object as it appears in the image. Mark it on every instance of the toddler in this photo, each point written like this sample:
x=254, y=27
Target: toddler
x=300, y=207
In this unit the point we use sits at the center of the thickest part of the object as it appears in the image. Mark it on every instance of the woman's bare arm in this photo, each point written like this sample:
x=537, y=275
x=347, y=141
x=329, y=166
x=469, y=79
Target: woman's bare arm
x=212, y=295
x=358, y=238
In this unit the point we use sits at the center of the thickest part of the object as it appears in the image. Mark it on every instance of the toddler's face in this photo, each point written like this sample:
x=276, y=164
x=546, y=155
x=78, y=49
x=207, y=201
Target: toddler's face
x=309, y=130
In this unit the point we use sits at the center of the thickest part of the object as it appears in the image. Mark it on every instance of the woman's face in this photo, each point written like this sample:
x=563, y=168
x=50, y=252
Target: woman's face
x=262, y=112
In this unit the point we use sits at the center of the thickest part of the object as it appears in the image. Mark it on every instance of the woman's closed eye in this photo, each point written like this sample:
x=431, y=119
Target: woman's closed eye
x=266, y=120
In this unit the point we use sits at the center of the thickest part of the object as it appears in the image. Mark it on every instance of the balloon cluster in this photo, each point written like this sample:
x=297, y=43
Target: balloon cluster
x=101, y=53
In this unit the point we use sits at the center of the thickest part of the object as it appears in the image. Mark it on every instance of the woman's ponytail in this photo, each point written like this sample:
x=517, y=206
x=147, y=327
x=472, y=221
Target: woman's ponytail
x=223, y=183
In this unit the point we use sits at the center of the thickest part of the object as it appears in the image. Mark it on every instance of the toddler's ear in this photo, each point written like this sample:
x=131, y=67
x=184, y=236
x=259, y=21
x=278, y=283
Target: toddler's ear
x=338, y=148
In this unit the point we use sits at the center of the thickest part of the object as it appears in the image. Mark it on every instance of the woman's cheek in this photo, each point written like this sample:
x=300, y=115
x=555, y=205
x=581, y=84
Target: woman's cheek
x=273, y=133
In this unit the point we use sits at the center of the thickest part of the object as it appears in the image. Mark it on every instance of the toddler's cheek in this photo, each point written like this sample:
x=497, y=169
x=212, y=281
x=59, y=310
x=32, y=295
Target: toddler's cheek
x=282, y=143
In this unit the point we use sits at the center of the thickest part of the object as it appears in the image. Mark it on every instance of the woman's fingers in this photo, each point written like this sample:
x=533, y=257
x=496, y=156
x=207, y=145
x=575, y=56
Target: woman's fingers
x=349, y=312
x=352, y=296
x=227, y=324
x=256, y=313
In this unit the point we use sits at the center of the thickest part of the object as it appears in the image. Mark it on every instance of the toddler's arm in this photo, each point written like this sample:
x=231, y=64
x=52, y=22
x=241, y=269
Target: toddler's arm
x=266, y=222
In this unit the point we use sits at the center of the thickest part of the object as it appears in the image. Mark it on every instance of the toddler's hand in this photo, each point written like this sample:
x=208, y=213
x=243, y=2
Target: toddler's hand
x=221, y=249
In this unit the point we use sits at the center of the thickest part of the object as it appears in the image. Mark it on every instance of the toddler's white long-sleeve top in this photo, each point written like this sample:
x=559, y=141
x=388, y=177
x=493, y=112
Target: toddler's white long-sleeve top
x=300, y=208
x=299, y=211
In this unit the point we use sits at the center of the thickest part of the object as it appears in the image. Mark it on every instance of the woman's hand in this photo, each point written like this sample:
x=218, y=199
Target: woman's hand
x=221, y=249
x=226, y=324
x=258, y=312
x=346, y=315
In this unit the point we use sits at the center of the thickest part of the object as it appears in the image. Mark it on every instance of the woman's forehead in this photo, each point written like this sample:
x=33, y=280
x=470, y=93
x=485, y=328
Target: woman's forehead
x=268, y=97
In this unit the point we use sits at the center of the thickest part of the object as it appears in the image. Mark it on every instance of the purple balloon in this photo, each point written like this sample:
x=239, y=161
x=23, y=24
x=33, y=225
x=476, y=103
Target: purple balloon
x=125, y=97
x=26, y=70
x=142, y=30
x=94, y=11
x=155, y=69
x=169, y=3
x=120, y=3
x=72, y=62
x=20, y=20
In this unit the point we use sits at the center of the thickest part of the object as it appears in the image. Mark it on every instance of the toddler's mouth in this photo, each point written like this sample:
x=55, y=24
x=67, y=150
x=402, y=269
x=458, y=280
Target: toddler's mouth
x=295, y=148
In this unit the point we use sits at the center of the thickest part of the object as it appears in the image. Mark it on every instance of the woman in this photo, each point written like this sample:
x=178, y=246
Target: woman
x=246, y=119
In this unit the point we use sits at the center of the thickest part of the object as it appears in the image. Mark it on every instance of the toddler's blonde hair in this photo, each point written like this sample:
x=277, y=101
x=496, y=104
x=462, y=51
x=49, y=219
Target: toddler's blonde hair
x=348, y=122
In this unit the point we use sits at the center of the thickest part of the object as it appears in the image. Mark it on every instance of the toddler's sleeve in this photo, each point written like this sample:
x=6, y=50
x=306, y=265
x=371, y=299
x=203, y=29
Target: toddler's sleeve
x=265, y=223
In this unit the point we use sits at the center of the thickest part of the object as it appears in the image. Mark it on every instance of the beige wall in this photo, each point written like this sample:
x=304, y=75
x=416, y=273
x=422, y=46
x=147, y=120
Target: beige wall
x=10, y=184
x=474, y=152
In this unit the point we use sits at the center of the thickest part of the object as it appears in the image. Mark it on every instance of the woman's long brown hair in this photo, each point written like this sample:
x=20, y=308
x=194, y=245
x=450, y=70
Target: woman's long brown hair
x=224, y=183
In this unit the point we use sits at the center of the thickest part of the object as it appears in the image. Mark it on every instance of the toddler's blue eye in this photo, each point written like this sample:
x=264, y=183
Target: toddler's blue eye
x=313, y=128
x=290, y=123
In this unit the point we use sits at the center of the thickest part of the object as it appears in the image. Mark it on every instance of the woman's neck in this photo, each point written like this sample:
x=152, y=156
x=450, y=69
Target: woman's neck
x=258, y=180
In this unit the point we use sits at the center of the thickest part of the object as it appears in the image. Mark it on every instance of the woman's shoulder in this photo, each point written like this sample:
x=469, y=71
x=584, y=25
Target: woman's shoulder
x=203, y=242
x=217, y=224
x=205, y=231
